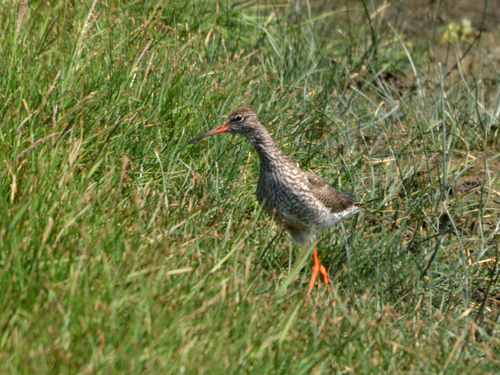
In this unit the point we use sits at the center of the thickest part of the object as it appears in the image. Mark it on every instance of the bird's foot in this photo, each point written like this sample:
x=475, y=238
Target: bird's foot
x=317, y=268
x=322, y=270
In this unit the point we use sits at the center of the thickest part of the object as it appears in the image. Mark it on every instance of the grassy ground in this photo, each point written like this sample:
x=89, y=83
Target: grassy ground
x=125, y=250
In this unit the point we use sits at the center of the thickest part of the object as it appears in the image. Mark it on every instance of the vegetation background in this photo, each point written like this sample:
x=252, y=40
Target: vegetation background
x=125, y=250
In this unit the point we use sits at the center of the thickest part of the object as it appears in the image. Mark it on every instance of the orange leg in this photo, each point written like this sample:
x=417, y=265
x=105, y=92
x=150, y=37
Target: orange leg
x=317, y=268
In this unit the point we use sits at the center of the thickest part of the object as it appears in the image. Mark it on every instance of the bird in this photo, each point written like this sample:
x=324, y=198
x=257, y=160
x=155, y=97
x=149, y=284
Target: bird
x=302, y=202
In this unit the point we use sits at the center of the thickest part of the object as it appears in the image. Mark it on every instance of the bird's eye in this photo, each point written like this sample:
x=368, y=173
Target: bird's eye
x=238, y=118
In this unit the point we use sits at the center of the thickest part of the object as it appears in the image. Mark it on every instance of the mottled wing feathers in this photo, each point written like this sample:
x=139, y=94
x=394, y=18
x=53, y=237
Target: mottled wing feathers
x=349, y=196
x=335, y=200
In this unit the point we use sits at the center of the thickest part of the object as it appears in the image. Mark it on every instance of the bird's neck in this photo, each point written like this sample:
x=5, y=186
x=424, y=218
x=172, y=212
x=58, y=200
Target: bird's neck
x=269, y=152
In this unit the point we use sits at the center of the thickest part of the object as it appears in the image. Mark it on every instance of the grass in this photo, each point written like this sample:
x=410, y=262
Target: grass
x=125, y=250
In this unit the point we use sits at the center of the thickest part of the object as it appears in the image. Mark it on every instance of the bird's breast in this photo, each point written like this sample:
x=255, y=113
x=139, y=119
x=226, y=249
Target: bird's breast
x=285, y=196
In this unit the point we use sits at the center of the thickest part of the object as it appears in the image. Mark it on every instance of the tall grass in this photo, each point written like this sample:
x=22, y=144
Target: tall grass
x=125, y=250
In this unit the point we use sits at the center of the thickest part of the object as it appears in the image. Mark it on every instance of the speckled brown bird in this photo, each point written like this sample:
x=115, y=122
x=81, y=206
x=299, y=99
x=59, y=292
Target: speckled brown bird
x=302, y=201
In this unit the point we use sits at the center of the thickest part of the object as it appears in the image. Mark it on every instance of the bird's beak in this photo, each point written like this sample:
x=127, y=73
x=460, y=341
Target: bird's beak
x=219, y=129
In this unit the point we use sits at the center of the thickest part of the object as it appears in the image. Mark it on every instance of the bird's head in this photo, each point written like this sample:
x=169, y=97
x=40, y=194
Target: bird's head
x=241, y=121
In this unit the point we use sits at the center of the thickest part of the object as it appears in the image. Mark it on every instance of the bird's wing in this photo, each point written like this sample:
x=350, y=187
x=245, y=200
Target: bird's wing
x=335, y=200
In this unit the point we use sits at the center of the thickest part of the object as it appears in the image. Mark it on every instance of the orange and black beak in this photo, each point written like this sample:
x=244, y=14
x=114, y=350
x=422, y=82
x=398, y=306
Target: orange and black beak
x=219, y=129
